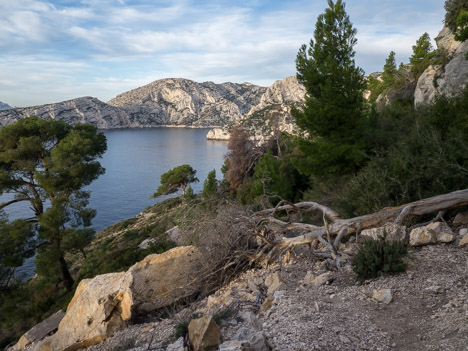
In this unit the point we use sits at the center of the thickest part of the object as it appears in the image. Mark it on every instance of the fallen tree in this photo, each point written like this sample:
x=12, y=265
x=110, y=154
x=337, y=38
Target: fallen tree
x=271, y=229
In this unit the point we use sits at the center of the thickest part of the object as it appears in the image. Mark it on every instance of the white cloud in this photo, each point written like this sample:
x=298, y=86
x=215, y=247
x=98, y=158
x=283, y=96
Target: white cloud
x=102, y=47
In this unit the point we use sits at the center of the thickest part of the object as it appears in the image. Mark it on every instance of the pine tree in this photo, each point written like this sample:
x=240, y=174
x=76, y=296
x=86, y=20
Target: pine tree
x=48, y=160
x=422, y=53
x=333, y=111
x=210, y=186
x=390, y=70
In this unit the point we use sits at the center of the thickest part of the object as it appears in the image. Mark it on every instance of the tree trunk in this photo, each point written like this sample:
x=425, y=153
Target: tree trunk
x=65, y=273
x=334, y=226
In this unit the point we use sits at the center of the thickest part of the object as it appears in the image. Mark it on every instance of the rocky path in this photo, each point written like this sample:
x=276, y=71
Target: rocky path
x=428, y=311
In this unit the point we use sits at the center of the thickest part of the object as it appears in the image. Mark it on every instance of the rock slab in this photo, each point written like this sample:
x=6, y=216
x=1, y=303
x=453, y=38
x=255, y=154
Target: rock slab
x=40, y=331
x=99, y=307
x=204, y=334
x=160, y=280
x=390, y=231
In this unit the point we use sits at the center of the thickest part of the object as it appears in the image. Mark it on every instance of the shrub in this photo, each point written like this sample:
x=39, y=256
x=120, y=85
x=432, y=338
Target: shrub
x=181, y=329
x=377, y=257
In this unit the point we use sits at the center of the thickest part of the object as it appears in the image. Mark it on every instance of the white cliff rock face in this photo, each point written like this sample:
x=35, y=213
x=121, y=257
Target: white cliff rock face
x=166, y=102
x=274, y=108
x=278, y=99
x=185, y=102
x=448, y=80
x=176, y=102
x=81, y=110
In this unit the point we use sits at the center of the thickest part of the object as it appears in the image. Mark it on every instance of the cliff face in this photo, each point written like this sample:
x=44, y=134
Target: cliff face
x=447, y=80
x=175, y=102
x=272, y=112
x=81, y=110
x=185, y=102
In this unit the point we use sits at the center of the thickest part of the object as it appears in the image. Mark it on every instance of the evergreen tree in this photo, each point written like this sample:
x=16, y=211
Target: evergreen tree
x=422, y=53
x=453, y=10
x=176, y=179
x=333, y=111
x=210, y=186
x=50, y=160
x=461, y=33
x=390, y=70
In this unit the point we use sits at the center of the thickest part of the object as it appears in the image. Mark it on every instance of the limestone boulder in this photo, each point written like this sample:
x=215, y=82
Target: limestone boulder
x=437, y=232
x=204, y=334
x=384, y=296
x=390, y=231
x=178, y=345
x=175, y=234
x=461, y=218
x=322, y=279
x=40, y=331
x=161, y=280
x=274, y=282
x=100, y=307
x=464, y=241
x=235, y=345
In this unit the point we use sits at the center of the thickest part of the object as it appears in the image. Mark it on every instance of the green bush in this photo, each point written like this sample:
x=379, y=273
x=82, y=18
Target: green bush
x=377, y=257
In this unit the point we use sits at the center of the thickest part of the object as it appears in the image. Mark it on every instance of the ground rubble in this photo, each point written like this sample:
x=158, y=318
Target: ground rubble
x=428, y=308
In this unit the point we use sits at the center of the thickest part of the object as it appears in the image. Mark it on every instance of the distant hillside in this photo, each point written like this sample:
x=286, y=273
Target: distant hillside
x=4, y=106
x=166, y=102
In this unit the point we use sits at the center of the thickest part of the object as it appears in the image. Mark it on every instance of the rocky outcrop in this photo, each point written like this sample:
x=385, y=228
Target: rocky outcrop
x=204, y=334
x=4, y=106
x=39, y=331
x=437, y=232
x=218, y=134
x=272, y=112
x=99, y=307
x=161, y=280
x=391, y=232
x=182, y=102
x=81, y=110
x=106, y=303
x=447, y=80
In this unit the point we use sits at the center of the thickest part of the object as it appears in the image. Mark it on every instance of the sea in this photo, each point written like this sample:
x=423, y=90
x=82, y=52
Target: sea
x=134, y=161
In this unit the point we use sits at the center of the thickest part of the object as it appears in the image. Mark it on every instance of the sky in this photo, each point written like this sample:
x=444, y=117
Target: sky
x=55, y=50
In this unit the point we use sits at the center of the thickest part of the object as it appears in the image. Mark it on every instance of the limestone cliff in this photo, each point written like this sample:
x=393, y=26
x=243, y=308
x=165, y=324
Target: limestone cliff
x=81, y=110
x=166, y=102
x=449, y=79
x=273, y=110
x=188, y=103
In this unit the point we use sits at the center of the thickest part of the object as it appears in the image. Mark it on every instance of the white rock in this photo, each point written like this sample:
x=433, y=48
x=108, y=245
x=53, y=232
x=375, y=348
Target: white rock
x=384, y=295
x=391, y=231
x=451, y=79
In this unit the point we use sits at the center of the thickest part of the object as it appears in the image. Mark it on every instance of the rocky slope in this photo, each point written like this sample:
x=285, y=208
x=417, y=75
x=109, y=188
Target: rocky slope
x=166, y=102
x=273, y=110
x=185, y=102
x=448, y=79
x=302, y=305
x=4, y=106
x=81, y=110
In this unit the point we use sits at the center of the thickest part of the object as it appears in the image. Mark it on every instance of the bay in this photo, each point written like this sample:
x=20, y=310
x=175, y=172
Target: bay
x=134, y=161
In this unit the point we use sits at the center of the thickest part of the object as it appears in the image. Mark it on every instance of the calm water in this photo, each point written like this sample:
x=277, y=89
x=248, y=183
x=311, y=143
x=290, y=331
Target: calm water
x=134, y=162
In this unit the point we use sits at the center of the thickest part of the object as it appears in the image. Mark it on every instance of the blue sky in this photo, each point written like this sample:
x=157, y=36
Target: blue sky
x=54, y=50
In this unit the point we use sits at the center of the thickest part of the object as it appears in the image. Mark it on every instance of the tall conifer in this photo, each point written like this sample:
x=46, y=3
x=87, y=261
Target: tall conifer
x=333, y=111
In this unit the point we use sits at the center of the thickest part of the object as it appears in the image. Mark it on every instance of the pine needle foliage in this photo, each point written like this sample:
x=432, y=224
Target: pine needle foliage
x=377, y=257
